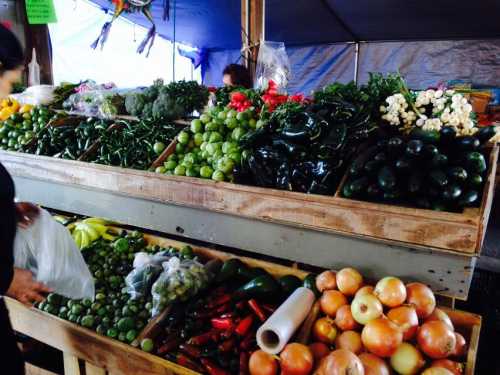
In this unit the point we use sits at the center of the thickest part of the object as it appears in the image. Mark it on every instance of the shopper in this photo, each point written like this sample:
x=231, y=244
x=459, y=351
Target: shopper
x=16, y=283
x=237, y=75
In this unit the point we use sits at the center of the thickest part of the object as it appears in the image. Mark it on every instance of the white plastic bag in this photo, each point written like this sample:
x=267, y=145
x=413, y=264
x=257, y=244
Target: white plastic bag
x=47, y=249
x=272, y=64
x=147, y=268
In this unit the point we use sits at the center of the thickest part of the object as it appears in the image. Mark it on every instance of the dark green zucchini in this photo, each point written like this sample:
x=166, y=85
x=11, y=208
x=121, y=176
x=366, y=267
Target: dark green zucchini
x=403, y=164
x=289, y=283
x=356, y=168
x=475, y=180
x=448, y=134
x=392, y=195
x=414, y=148
x=426, y=136
x=359, y=185
x=386, y=178
x=430, y=151
x=475, y=162
x=381, y=156
x=451, y=192
x=438, y=178
x=346, y=190
x=457, y=174
x=485, y=133
x=395, y=146
x=467, y=143
x=415, y=182
x=310, y=283
x=373, y=166
x=423, y=202
x=439, y=161
x=469, y=198
x=374, y=191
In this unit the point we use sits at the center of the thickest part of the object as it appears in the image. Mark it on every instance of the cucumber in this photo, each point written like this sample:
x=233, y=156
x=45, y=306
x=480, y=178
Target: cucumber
x=415, y=182
x=452, y=192
x=310, y=283
x=438, y=178
x=372, y=166
x=386, y=178
x=359, y=185
x=439, y=161
x=414, y=148
x=448, y=134
x=467, y=143
x=485, y=133
x=403, y=164
x=346, y=190
x=475, y=180
x=468, y=198
x=426, y=136
x=475, y=162
x=457, y=174
x=430, y=151
x=356, y=168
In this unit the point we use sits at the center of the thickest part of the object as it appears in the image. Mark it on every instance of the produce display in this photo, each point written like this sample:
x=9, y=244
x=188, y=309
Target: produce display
x=22, y=125
x=431, y=169
x=167, y=102
x=133, y=144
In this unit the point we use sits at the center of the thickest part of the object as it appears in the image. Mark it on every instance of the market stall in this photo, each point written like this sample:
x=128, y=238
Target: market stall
x=378, y=177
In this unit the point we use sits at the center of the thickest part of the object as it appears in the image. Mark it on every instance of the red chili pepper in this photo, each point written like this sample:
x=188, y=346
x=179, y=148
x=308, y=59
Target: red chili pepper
x=201, y=339
x=168, y=346
x=227, y=345
x=227, y=333
x=185, y=361
x=244, y=326
x=257, y=310
x=248, y=342
x=190, y=350
x=212, y=369
x=269, y=308
x=221, y=300
x=222, y=323
x=244, y=358
x=222, y=309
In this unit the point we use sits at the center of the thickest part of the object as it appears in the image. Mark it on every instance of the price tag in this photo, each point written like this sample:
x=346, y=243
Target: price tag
x=40, y=12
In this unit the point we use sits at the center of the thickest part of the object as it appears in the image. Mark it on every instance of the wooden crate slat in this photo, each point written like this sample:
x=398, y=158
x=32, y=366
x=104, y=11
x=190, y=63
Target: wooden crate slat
x=71, y=365
x=91, y=369
x=34, y=370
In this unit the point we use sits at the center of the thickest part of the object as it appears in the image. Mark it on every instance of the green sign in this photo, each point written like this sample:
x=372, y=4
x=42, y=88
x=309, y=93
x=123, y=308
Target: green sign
x=40, y=12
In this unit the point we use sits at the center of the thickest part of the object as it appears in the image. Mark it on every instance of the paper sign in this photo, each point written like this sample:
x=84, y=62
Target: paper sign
x=40, y=12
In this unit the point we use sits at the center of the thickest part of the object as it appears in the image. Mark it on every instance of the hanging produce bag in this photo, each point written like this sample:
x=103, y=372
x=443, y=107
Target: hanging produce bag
x=47, y=249
x=147, y=268
x=272, y=65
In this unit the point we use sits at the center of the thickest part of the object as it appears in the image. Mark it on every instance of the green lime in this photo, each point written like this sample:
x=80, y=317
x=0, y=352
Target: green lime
x=147, y=345
x=112, y=332
x=206, y=171
x=180, y=170
x=196, y=126
x=191, y=172
x=218, y=176
x=158, y=147
x=88, y=321
x=241, y=116
x=170, y=165
x=160, y=169
x=172, y=157
x=187, y=252
x=121, y=245
x=206, y=136
x=131, y=335
x=252, y=123
x=215, y=137
x=198, y=139
x=76, y=309
x=205, y=118
x=183, y=137
x=179, y=148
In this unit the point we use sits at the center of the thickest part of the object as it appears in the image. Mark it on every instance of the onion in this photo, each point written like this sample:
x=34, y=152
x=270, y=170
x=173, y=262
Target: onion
x=406, y=318
x=296, y=359
x=326, y=281
x=374, y=365
x=344, y=319
x=319, y=351
x=350, y=340
x=367, y=289
x=422, y=298
x=436, y=339
x=262, y=363
x=324, y=330
x=390, y=291
x=349, y=281
x=381, y=337
x=407, y=360
x=460, y=346
x=341, y=362
x=455, y=367
x=437, y=371
x=331, y=301
x=365, y=308
x=439, y=314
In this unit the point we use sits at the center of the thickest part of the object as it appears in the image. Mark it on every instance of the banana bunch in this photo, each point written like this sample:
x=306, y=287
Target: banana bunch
x=86, y=231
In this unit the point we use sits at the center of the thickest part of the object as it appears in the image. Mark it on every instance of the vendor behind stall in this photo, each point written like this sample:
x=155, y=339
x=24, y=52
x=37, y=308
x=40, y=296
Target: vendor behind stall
x=237, y=75
x=16, y=283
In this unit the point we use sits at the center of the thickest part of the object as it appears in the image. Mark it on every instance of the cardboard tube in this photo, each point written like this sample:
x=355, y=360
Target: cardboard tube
x=275, y=333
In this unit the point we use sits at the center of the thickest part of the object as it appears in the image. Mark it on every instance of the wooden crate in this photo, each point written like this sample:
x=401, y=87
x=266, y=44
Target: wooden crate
x=100, y=355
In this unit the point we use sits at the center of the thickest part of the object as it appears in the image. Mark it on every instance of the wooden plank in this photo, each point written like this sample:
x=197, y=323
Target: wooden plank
x=473, y=343
x=71, y=365
x=399, y=225
x=85, y=344
x=34, y=370
x=91, y=369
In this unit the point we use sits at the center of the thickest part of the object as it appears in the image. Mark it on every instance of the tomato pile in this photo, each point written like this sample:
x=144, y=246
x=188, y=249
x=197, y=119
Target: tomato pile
x=390, y=327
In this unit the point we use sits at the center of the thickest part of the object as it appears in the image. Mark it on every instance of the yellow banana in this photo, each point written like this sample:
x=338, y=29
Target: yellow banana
x=78, y=238
x=100, y=228
x=93, y=234
x=95, y=220
x=71, y=226
x=85, y=240
x=108, y=237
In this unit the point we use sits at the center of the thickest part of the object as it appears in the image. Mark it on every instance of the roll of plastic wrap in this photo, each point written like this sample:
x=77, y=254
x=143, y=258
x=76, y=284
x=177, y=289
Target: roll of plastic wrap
x=275, y=333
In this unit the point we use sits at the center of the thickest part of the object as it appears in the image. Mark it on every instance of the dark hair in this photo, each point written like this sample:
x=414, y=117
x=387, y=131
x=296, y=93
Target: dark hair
x=240, y=76
x=11, y=51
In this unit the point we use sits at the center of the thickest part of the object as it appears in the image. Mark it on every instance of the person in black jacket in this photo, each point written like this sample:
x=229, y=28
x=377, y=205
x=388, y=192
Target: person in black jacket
x=16, y=283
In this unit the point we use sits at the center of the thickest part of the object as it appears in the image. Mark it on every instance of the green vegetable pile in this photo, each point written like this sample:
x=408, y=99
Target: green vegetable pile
x=428, y=169
x=134, y=144
x=20, y=129
x=167, y=102
x=113, y=312
x=209, y=148
x=69, y=141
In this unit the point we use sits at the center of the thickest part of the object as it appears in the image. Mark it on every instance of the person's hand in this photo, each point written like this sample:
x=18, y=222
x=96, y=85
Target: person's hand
x=26, y=213
x=25, y=289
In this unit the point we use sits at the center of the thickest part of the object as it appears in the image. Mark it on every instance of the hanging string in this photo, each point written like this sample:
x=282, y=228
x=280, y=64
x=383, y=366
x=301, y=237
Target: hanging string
x=174, y=43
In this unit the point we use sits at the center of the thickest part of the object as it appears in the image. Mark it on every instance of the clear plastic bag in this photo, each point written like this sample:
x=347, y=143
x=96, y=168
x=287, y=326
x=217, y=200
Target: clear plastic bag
x=47, y=249
x=147, y=268
x=272, y=64
x=179, y=281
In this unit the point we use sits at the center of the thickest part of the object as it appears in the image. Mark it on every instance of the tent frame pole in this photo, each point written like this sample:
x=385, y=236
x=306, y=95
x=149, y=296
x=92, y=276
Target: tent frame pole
x=356, y=62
